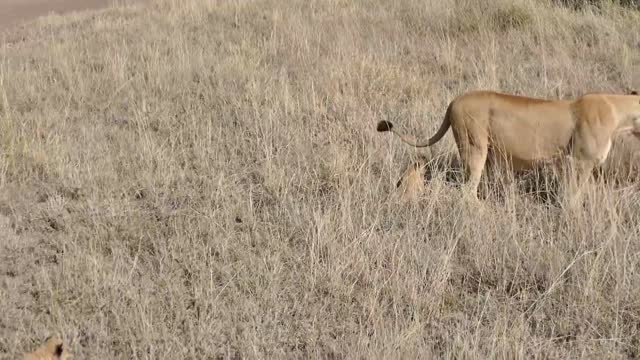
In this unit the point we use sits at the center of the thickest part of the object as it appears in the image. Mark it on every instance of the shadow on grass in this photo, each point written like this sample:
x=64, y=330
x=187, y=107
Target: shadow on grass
x=543, y=184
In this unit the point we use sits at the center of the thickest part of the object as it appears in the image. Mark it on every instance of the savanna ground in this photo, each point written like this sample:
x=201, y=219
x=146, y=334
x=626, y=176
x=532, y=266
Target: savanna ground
x=201, y=179
x=20, y=11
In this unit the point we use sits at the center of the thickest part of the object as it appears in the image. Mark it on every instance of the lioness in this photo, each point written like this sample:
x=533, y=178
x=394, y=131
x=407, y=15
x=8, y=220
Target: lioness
x=52, y=349
x=527, y=131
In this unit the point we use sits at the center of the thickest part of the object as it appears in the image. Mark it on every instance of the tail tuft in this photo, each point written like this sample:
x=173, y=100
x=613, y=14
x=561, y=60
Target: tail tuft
x=384, y=126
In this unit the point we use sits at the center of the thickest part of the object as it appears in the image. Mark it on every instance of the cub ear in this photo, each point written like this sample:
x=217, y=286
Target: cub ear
x=58, y=351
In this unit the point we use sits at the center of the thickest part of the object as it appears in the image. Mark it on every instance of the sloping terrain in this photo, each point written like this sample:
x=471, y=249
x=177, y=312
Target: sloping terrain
x=17, y=12
x=199, y=179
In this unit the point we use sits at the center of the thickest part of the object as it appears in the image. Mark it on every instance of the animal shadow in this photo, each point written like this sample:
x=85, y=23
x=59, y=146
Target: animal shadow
x=542, y=184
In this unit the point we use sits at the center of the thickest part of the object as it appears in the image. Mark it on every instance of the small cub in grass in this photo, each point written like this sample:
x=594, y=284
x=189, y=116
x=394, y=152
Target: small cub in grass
x=52, y=349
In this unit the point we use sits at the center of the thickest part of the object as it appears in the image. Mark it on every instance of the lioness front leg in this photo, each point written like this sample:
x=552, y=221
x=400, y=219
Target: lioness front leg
x=590, y=146
x=579, y=174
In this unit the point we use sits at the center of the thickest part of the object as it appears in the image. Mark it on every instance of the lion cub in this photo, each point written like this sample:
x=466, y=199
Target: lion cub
x=52, y=349
x=411, y=183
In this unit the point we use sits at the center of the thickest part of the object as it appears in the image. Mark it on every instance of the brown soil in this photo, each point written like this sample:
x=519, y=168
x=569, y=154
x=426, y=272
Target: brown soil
x=17, y=11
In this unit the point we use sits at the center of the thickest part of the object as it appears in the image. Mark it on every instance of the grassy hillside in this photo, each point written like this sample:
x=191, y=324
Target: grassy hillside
x=202, y=179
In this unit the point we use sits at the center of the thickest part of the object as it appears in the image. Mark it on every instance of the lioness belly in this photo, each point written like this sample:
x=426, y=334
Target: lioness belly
x=518, y=163
x=526, y=140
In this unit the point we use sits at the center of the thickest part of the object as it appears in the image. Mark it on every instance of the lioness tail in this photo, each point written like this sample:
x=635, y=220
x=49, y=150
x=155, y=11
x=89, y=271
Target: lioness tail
x=446, y=123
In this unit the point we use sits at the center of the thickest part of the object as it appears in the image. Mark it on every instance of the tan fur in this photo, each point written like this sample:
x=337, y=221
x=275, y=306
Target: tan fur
x=52, y=349
x=412, y=181
x=527, y=131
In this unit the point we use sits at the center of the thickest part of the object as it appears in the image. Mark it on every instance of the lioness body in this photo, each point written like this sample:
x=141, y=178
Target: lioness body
x=527, y=131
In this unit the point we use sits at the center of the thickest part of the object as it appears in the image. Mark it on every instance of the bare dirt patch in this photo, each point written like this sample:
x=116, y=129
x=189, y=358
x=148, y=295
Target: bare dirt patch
x=14, y=12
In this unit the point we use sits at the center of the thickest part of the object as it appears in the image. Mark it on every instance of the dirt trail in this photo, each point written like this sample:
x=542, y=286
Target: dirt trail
x=13, y=12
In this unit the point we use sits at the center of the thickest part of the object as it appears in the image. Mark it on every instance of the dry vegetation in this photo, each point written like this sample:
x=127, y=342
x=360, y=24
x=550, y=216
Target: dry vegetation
x=202, y=179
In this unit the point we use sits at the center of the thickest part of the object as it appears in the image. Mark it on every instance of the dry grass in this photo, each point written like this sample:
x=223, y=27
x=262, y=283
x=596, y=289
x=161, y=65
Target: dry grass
x=203, y=179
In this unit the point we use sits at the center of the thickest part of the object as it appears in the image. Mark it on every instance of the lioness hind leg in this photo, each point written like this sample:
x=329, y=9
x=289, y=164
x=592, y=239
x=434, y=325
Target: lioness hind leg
x=473, y=158
x=475, y=162
x=473, y=146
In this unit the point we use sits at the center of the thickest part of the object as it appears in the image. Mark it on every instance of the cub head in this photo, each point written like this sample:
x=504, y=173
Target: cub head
x=52, y=349
x=411, y=184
